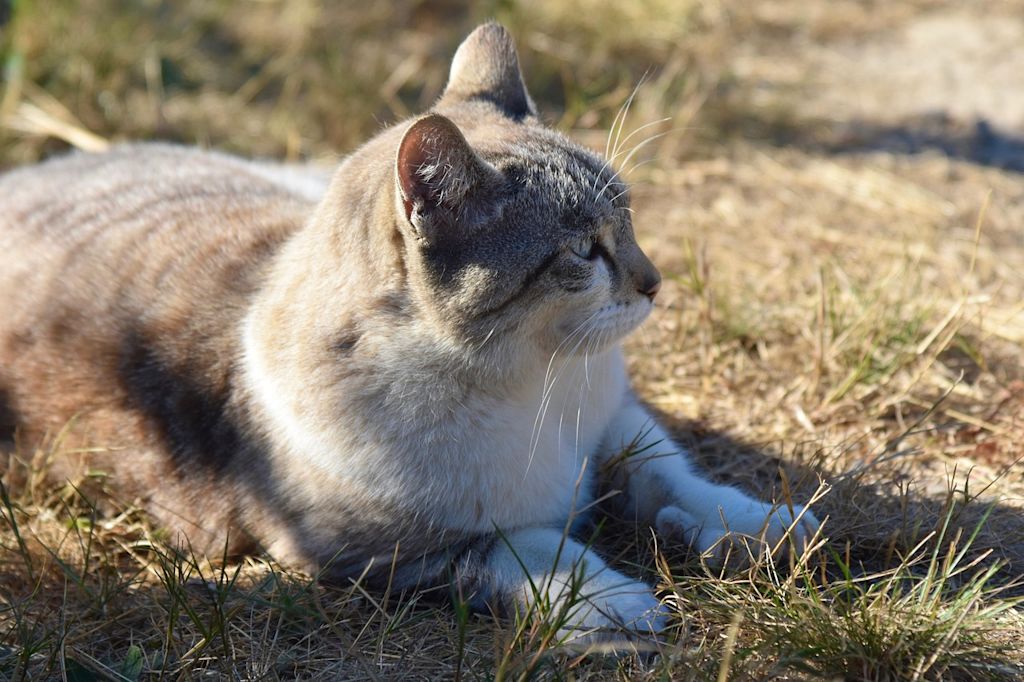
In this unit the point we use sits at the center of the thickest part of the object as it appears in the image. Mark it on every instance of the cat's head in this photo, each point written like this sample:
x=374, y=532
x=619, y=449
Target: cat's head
x=514, y=229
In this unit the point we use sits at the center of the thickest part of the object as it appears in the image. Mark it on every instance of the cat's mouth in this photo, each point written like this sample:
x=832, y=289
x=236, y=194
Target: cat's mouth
x=606, y=326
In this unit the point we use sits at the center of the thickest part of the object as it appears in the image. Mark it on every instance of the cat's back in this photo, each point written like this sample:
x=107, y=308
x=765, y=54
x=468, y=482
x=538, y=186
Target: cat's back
x=132, y=190
x=144, y=221
x=153, y=246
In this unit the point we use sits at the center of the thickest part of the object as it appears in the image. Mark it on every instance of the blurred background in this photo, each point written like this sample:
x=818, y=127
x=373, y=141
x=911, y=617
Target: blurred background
x=307, y=78
x=312, y=78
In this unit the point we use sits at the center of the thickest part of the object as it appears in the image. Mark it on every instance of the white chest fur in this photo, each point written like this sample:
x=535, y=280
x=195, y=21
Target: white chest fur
x=533, y=454
x=468, y=462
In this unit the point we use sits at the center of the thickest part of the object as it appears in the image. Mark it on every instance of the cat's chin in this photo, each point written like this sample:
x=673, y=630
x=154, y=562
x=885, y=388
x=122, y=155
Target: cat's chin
x=605, y=327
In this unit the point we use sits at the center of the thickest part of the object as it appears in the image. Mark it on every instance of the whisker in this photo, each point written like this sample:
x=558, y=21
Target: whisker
x=487, y=338
x=631, y=185
x=561, y=416
x=615, y=179
x=546, y=403
x=545, y=392
x=620, y=114
x=615, y=122
x=579, y=418
x=629, y=156
x=647, y=139
x=586, y=366
x=629, y=103
x=550, y=377
x=591, y=346
x=639, y=164
x=644, y=127
x=611, y=132
x=612, y=200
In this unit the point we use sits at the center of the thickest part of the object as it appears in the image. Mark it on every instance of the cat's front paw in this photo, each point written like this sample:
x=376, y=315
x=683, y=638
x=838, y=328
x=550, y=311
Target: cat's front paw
x=613, y=609
x=739, y=532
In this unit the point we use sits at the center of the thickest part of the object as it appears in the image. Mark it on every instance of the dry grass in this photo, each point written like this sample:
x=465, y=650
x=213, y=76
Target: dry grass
x=852, y=318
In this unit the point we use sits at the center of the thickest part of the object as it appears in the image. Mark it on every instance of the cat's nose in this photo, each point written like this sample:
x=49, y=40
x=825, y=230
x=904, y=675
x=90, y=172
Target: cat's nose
x=646, y=278
x=650, y=285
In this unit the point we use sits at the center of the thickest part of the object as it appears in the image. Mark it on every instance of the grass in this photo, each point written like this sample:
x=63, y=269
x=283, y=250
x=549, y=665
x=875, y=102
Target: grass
x=854, y=318
x=934, y=614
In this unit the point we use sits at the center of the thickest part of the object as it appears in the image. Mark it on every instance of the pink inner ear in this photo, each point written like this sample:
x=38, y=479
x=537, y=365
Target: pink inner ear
x=414, y=153
x=436, y=166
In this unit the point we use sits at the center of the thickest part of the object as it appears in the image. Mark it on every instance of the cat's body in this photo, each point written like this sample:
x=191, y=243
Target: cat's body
x=389, y=374
x=119, y=319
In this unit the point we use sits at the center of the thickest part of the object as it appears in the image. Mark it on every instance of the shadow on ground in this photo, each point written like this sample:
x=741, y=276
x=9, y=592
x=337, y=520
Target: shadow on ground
x=976, y=141
x=876, y=513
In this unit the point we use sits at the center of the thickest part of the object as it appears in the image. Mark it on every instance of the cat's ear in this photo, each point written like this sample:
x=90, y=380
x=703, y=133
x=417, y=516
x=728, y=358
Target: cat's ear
x=438, y=174
x=486, y=67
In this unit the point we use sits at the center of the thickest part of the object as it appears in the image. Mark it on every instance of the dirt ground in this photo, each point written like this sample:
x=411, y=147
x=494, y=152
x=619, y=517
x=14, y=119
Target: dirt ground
x=888, y=175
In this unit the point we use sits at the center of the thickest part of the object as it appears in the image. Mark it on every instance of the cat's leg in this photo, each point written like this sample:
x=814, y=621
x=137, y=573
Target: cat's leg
x=541, y=572
x=663, y=490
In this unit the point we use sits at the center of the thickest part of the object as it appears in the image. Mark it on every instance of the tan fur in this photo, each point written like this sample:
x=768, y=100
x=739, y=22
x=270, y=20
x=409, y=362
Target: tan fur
x=139, y=257
x=425, y=354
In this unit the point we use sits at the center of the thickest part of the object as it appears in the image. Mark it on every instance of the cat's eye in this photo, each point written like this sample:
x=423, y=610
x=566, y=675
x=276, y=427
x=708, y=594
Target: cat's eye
x=587, y=249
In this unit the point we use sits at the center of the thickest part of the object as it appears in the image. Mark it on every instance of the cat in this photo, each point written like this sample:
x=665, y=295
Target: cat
x=408, y=373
